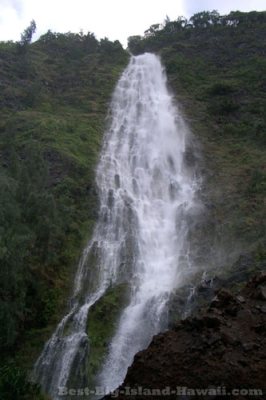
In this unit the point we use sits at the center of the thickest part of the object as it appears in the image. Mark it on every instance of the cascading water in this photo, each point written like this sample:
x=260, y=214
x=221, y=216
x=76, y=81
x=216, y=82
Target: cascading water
x=146, y=196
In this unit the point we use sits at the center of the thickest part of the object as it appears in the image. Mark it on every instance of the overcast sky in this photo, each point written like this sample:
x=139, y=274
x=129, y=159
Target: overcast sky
x=115, y=19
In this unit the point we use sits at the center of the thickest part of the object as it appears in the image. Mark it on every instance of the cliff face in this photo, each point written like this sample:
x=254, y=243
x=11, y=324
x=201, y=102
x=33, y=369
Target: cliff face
x=54, y=99
x=222, y=347
x=215, y=71
x=215, y=67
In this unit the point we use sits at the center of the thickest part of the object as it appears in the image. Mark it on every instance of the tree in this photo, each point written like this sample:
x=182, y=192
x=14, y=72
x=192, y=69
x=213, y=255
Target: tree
x=152, y=30
x=26, y=36
x=215, y=17
x=135, y=44
x=205, y=19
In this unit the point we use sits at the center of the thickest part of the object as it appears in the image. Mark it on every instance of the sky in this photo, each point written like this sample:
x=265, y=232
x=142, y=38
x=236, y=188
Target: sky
x=115, y=19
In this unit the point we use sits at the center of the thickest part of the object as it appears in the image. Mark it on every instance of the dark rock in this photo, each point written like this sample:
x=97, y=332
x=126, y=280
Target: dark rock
x=229, y=339
x=249, y=346
x=225, y=345
x=263, y=309
x=241, y=299
x=261, y=293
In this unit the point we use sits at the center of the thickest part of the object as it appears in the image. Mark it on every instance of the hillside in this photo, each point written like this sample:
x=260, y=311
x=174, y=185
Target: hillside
x=216, y=68
x=54, y=100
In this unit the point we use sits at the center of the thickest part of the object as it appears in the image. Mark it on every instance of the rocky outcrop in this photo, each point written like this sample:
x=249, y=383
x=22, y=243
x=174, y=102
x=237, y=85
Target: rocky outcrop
x=223, y=347
x=198, y=293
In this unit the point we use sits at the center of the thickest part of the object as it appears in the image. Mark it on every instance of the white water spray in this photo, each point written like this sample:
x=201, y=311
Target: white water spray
x=146, y=195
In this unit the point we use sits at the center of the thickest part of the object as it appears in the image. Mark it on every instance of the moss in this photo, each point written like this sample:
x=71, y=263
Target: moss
x=102, y=322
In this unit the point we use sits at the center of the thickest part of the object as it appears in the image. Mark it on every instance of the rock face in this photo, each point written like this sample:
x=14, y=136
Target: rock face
x=223, y=346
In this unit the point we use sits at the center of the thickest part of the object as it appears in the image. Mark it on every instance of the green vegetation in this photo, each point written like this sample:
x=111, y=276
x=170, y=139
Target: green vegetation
x=26, y=36
x=102, y=323
x=14, y=384
x=216, y=67
x=54, y=99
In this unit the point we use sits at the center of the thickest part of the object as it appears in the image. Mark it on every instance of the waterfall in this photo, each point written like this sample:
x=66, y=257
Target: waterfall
x=147, y=194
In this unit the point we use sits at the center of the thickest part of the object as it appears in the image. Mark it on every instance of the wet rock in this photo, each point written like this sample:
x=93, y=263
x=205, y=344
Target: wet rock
x=261, y=293
x=241, y=299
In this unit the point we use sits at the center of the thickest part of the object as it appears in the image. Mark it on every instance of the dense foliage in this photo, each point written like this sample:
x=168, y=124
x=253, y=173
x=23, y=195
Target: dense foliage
x=54, y=98
x=159, y=35
x=216, y=67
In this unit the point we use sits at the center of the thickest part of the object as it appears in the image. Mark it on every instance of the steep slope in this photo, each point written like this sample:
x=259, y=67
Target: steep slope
x=54, y=98
x=216, y=68
x=217, y=73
